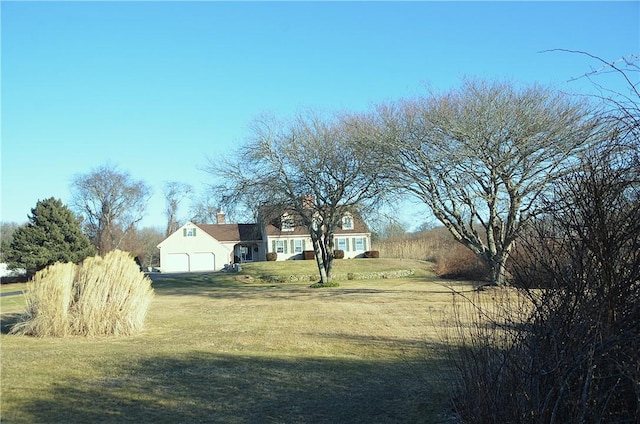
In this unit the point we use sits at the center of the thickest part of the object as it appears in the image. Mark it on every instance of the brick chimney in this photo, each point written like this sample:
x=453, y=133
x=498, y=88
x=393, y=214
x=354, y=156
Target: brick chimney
x=220, y=218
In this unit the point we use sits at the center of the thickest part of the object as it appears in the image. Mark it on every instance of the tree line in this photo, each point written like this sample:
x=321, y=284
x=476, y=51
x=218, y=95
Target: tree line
x=107, y=205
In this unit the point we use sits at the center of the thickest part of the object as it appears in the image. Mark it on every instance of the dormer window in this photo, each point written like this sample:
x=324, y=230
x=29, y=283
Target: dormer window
x=347, y=222
x=286, y=223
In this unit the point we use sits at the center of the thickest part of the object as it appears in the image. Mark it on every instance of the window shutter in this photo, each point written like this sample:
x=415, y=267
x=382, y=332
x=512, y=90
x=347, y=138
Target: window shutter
x=364, y=243
x=293, y=247
x=284, y=242
x=184, y=232
x=303, y=243
x=194, y=232
x=273, y=245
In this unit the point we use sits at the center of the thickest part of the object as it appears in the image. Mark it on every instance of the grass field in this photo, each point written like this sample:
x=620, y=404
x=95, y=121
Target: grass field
x=230, y=348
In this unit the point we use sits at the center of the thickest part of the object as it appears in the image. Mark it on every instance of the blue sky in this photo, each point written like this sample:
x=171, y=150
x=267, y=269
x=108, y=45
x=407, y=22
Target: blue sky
x=157, y=87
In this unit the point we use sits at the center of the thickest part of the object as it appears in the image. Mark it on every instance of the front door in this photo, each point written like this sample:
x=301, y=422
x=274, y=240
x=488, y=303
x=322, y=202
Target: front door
x=245, y=253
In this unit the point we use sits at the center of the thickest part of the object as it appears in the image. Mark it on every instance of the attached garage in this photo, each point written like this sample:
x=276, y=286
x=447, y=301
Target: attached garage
x=203, y=261
x=205, y=247
x=176, y=262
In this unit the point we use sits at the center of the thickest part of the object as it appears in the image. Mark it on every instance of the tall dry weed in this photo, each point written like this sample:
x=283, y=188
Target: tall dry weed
x=451, y=259
x=103, y=296
x=48, y=300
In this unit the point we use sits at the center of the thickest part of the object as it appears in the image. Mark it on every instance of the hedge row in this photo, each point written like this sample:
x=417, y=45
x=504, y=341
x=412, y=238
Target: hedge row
x=339, y=276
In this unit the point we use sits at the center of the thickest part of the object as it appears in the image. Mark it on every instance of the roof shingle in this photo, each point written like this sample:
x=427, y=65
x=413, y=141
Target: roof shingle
x=232, y=232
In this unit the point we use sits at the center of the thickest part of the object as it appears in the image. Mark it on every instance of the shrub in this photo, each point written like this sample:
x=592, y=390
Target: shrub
x=460, y=262
x=309, y=255
x=102, y=296
x=574, y=355
x=423, y=246
x=272, y=256
x=319, y=285
x=338, y=254
x=373, y=254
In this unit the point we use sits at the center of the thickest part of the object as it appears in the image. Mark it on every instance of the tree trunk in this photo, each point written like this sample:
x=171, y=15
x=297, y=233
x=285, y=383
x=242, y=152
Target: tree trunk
x=498, y=268
x=328, y=265
x=317, y=248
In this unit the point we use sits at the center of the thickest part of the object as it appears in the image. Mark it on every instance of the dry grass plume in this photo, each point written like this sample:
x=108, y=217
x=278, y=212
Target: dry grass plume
x=103, y=296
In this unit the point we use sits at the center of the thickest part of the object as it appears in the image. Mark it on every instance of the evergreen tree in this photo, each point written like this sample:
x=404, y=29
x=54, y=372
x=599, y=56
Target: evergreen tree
x=53, y=234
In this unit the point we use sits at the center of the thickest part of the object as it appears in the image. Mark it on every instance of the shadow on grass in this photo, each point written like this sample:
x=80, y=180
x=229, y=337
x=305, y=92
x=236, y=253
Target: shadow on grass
x=8, y=321
x=214, y=388
x=221, y=285
x=236, y=286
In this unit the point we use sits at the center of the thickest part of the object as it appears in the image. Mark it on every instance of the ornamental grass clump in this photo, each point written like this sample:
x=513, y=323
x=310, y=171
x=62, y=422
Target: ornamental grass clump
x=103, y=296
x=48, y=301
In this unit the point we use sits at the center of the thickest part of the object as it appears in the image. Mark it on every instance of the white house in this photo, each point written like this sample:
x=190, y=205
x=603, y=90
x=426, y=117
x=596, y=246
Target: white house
x=209, y=247
x=290, y=241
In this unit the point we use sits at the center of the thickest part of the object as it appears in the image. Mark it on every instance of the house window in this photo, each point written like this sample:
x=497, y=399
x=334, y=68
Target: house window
x=286, y=223
x=189, y=232
x=280, y=246
x=360, y=243
x=347, y=222
x=298, y=246
x=341, y=244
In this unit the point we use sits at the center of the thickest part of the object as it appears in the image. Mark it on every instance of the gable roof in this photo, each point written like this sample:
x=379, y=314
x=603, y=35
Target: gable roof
x=273, y=227
x=232, y=232
x=272, y=230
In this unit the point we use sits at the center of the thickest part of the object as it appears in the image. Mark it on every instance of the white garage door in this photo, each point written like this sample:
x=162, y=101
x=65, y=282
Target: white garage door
x=203, y=261
x=176, y=262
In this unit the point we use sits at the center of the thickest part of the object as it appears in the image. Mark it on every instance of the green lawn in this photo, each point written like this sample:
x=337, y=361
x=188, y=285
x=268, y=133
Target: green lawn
x=230, y=348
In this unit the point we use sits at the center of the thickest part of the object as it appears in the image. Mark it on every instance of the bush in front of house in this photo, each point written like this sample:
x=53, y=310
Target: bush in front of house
x=372, y=254
x=338, y=254
x=309, y=255
x=319, y=285
x=103, y=296
x=272, y=256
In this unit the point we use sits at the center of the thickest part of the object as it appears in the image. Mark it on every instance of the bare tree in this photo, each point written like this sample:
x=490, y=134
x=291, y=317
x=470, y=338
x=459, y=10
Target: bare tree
x=571, y=349
x=314, y=167
x=480, y=156
x=204, y=209
x=111, y=202
x=143, y=244
x=621, y=107
x=174, y=193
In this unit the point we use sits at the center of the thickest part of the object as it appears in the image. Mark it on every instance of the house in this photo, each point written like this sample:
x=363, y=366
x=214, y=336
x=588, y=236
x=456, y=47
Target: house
x=209, y=247
x=290, y=241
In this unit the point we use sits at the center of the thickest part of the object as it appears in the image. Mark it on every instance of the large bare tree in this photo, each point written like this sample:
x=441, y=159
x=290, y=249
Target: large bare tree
x=111, y=202
x=314, y=167
x=479, y=156
x=174, y=193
